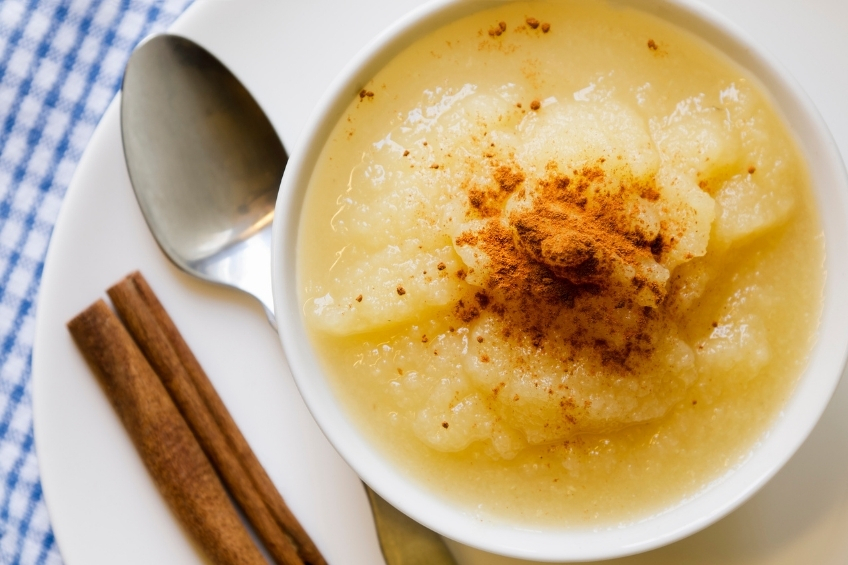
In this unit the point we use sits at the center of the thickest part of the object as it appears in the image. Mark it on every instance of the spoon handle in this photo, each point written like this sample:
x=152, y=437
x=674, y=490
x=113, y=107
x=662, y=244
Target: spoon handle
x=405, y=541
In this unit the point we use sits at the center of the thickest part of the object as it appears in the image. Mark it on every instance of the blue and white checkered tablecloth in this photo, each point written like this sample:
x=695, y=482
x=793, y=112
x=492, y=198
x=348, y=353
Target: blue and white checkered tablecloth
x=61, y=62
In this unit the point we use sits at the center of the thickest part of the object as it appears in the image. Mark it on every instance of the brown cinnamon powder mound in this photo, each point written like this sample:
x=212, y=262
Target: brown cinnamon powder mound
x=588, y=244
x=516, y=279
x=551, y=261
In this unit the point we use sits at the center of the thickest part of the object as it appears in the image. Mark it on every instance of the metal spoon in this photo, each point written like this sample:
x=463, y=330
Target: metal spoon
x=205, y=164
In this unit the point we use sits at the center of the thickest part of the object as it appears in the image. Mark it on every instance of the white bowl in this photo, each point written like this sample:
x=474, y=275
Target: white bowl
x=775, y=448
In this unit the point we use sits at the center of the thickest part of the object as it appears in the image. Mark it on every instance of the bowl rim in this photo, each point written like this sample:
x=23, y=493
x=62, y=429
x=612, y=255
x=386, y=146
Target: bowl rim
x=794, y=423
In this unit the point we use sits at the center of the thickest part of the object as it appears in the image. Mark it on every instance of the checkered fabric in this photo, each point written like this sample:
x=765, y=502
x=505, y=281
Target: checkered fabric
x=61, y=62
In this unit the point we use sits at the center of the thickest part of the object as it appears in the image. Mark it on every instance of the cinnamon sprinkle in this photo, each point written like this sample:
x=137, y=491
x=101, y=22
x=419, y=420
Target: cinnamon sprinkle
x=561, y=254
x=582, y=245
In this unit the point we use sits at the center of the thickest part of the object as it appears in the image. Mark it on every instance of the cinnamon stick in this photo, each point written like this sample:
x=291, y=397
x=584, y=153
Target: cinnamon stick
x=162, y=357
x=167, y=446
x=258, y=477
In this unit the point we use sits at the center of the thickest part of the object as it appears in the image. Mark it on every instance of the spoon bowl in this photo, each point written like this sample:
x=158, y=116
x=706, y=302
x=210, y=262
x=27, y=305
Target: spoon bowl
x=205, y=164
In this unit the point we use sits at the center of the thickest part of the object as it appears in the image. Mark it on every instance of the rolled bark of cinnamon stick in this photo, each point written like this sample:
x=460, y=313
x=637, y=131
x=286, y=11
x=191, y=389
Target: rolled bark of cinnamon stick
x=166, y=445
x=155, y=345
x=135, y=287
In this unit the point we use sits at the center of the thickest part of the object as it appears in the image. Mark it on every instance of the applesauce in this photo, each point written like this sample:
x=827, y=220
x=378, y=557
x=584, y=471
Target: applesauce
x=561, y=263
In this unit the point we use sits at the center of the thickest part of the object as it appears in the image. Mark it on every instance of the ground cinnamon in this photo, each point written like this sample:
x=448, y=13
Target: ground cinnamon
x=565, y=249
x=305, y=547
x=581, y=240
x=164, y=441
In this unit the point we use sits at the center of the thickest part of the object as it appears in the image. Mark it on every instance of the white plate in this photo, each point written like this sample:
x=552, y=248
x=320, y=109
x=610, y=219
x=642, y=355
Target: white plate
x=104, y=507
